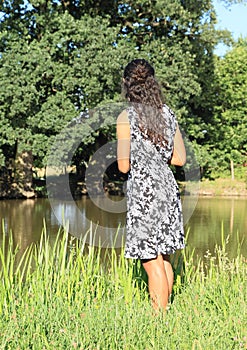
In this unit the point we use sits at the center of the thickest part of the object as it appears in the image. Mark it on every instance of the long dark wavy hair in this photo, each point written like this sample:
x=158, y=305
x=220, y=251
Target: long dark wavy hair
x=142, y=90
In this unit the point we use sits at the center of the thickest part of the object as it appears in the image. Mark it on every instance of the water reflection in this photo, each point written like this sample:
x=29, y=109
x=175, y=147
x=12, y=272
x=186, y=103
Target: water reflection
x=86, y=220
x=214, y=216
x=25, y=218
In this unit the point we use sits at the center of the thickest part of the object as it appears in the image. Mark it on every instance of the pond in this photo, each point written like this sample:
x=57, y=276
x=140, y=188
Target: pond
x=205, y=221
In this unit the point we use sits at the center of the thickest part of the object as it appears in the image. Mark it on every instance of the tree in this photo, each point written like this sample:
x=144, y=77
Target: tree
x=230, y=109
x=53, y=67
x=61, y=58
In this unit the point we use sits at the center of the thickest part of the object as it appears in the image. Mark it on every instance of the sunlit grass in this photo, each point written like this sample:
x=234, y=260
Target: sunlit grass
x=62, y=295
x=221, y=186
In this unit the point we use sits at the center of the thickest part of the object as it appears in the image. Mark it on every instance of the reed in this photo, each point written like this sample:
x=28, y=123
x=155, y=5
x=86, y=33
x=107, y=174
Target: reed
x=65, y=295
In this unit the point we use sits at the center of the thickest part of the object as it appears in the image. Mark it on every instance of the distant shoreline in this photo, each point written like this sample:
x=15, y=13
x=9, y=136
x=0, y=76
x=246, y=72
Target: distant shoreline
x=205, y=188
x=218, y=187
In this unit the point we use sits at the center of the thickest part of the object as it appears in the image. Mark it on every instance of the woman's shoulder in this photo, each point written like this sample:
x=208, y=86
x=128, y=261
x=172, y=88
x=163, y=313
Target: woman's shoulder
x=168, y=109
x=169, y=112
x=123, y=117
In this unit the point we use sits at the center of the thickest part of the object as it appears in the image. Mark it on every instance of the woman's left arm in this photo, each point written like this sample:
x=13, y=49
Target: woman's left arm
x=179, y=152
x=123, y=145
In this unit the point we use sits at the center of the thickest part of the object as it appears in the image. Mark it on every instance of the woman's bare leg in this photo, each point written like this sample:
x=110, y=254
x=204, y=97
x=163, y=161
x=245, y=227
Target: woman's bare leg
x=169, y=272
x=158, y=283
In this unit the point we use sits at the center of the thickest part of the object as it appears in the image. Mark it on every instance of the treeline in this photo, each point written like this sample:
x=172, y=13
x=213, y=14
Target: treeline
x=59, y=59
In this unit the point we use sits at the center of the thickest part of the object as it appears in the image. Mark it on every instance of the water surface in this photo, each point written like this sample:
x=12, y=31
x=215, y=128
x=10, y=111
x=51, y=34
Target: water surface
x=25, y=218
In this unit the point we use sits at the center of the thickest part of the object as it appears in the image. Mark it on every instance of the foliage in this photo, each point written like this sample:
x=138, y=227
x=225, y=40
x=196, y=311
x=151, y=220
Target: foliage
x=62, y=295
x=47, y=78
x=230, y=111
x=59, y=59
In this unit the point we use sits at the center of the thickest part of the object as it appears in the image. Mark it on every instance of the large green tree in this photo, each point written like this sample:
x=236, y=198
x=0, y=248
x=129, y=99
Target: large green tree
x=52, y=66
x=59, y=58
x=230, y=108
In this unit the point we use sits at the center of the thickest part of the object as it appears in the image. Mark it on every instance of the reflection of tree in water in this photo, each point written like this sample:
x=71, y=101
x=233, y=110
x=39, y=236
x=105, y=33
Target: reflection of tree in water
x=24, y=220
x=211, y=216
x=107, y=227
x=102, y=217
x=21, y=217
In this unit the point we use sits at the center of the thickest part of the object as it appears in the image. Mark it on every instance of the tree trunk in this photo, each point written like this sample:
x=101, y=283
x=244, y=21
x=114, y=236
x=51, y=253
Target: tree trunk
x=23, y=177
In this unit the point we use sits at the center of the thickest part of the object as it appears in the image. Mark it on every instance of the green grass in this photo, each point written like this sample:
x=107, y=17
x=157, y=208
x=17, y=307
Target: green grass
x=62, y=295
x=223, y=187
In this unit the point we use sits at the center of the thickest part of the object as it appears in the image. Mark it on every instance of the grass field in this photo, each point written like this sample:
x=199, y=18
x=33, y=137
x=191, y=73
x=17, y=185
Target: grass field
x=223, y=187
x=64, y=295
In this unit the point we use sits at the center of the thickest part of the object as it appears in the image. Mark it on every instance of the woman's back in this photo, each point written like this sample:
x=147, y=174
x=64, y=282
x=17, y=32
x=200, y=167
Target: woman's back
x=144, y=151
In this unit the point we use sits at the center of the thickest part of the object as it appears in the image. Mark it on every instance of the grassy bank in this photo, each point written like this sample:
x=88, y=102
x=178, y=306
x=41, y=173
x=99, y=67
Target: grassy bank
x=58, y=296
x=221, y=187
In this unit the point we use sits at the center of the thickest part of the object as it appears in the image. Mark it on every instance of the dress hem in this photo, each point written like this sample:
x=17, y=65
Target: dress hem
x=128, y=256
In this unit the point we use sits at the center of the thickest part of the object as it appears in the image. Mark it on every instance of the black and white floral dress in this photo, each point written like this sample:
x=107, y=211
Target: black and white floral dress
x=154, y=213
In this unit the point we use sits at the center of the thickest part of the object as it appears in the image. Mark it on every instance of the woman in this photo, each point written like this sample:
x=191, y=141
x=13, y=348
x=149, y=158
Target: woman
x=148, y=140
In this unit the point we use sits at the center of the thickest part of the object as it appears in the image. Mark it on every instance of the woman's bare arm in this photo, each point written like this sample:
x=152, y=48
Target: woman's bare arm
x=123, y=145
x=179, y=152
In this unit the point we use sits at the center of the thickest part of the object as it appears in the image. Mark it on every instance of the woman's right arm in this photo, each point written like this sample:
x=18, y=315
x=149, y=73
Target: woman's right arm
x=179, y=152
x=123, y=145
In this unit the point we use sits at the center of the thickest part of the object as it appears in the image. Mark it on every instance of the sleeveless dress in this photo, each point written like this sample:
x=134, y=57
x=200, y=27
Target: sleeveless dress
x=154, y=223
